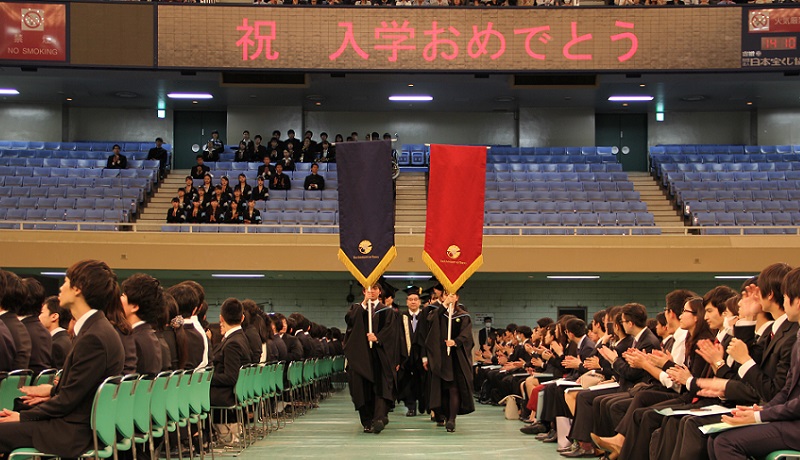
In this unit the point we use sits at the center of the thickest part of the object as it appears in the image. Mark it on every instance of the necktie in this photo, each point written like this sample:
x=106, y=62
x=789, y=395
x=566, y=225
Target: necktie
x=414, y=323
x=670, y=343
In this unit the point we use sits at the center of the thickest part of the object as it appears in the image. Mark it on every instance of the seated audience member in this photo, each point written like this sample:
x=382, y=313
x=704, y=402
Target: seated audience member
x=58, y=421
x=198, y=319
x=213, y=147
x=199, y=170
x=7, y=349
x=260, y=191
x=208, y=186
x=176, y=215
x=55, y=319
x=230, y=356
x=259, y=151
x=215, y=213
x=265, y=169
x=309, y=136
x=203, y=198
x=224, y=183
x=290, y=139
x=117, y=160
x=323, y=137
x=280, y=181
x=197, y=215
x=221, y=198
x=251, y=215
x=247, y=145
x=143, y=302
x=12, y=295
x=338, y=138
x=255, y=331
x=326, y=153
x=159, y=153
x=287, y=161
x=188, y=189
x=187, y=300
x=241, y=154
x=174, y=336
x=233, y=216
x=305, y=154
x=314, y=181
x=28, y=312
x=243, y=188
x=238, y=199
x=275, y=149
x=293, y=346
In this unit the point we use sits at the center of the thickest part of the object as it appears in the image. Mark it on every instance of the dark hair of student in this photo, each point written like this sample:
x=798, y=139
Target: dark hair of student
x=718, y=296
x=701, y=328
x=232, y=311
x=301, y=321
x=98, y=285
x=512, y=327
x=790, y=286
x=599, y=318
x=748, y=282
x=732, y=304
x=145, y=291
x=544, y=322
x=12, y=291
x=54, y=307
x=526, y=331
x=186, y=298
x=770, y=279
x=291, y=325
x=661, y=318
x=201, y=293
x=255, y=318
x=651, y=324
x=34, y=298
x=636, y=313
x=677, y=298
x=174, y=322
x=576, y=326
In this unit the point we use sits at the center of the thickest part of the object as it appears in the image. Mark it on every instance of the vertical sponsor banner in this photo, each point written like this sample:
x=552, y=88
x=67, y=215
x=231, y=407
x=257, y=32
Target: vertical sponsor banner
x=33, y=32
x=366, y=208
x=454, y=222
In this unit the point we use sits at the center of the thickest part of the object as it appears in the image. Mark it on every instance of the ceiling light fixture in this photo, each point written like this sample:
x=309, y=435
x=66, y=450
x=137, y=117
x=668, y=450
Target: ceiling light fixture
x=420, y=98
x=407, y=277
x=733, y=277
x=237, y=275
x=630, y=98
x=189, y=96
x=53, y=273
x=8, y=92
x=573, y=277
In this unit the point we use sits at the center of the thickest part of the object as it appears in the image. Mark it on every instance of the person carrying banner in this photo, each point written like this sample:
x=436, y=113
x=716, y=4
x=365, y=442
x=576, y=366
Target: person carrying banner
x=448, y=355
x=371, y=347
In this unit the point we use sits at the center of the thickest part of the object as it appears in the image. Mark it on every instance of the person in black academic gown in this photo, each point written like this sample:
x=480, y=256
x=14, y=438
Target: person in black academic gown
x=451, y=375
x=371, y=371
x=411, y=375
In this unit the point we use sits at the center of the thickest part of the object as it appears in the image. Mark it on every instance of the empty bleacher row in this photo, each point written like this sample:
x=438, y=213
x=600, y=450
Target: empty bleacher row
x=93, y=146
x=758, y=188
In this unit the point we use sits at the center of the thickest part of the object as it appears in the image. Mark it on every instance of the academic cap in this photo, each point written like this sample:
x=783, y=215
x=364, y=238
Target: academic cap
x=388, y=289
x=411, y=290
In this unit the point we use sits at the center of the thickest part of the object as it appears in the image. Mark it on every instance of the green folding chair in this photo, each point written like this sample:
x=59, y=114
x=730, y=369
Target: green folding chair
x=784, y=455
x=46, y=377
x=142, y=421
x=158, y=410
x=10, y=386
x=199, y=403
x=126, y=396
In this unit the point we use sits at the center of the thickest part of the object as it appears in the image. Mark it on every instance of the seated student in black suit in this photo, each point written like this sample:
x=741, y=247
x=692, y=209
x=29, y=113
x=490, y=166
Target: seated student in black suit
x=265, y=169
x=159, y=153
x=200, y=170
x=260, y=191
x=41, y=342
x=243, y=187
x=251, y=215
x=7, y=349
x=176, y=215
x=143, y=301
x=279, y=180
x=196, y=215
x=314, y=181
x=117, y=160
x=187, y=300
x=294, y=348
x=259, y=151
x=58, y=421
x=229, y=357
x=12, y=294
x=173, y=337
x=55, y=319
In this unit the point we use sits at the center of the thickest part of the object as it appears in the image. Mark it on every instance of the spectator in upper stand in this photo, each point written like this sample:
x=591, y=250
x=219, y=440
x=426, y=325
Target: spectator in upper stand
x=260, y=191
x=28, y=312
x=265, y=169
x=310, y=136
x=314, y=181
x=215, y=213
x=338, y=138
x=249, y=145
x=326, y=153
x=160, y=154
x=224, y=182
x=305, y=154
x=188, y=188
x=237, y=199
x=207, y=186
x=291, y=139
x=241, y=153
x=199, y=170
x=12, y=295
x=280, y=181
x=243, y=188
x=275, y=150
x=354, y=136
x=213, y=147
x=287, y=161
x=183, y=203
x=197, y=214
x=117, y=160
x=259, y=151
x=221, y=197
x=323, y=136
x=176, y=215
x=251, y=215
x=233, y=216
x=202, y=197
x=55, y=319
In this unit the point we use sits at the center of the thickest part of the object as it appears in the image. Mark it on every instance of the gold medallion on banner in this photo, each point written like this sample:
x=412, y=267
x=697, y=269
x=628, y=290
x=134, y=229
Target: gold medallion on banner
x=365, y=247
x=453, y=252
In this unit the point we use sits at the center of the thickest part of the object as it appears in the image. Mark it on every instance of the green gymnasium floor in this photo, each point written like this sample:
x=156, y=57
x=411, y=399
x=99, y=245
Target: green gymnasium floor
x=333, y=432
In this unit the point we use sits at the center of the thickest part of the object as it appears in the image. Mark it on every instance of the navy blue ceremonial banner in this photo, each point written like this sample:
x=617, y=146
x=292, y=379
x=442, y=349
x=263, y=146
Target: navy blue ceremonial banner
x=366, y=208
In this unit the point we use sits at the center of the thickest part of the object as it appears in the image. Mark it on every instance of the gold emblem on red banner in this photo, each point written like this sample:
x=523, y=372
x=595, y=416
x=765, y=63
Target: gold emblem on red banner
x=453, y=252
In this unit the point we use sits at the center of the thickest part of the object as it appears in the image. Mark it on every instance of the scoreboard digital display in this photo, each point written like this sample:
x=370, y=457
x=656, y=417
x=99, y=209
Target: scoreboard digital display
x=769, y=38
x=778, y=43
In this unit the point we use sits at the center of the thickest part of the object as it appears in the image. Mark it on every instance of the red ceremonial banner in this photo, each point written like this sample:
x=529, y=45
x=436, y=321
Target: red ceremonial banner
x=454, y=222
x=33, y=31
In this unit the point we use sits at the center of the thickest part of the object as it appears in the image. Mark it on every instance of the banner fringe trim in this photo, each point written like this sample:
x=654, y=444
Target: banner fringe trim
x=451, y=286
x=379, y=270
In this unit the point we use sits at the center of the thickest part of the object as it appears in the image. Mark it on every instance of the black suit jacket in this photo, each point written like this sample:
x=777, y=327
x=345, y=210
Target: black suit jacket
x=482, y=336
x=41, y=344
x=128, y=344
x=148, y=350
x=194, y=343
x=768, y=377
x=7, y=349
x=61, y=346
x=121, y=163
x=65, y=430
x=230, y=356
x=22, y=340
x=283, y=352
x=294, y=347
x=647, y=342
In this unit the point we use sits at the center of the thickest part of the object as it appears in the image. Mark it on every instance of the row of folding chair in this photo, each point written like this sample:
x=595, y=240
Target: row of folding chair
x=744, y=176
x=585, y=150
x=135, y=195
x=254, y=165
x=677, y=149
x=603, y=219
x=525, y=176
x=712, y=159
x=60, y=215
x=749, y=219
x=35, y=157
x=103, y=146
x=763, y=196
x=64, y=203
x=560, y=186
x=755, y=185
x=586, y=231
x=554, y=167
x=741, y=206
x=512, y=207
x=71, y=163
x=575, y=159
x=297, y=205
x=298, y=194
x=251, y=174
x=127, y=182
x=764, y=166
x=561, y=196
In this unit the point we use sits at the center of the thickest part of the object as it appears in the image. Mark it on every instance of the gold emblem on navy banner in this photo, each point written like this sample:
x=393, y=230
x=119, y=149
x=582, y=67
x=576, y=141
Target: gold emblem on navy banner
x=365, y=247
x=454, y=252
